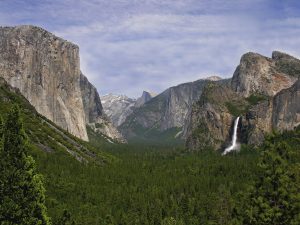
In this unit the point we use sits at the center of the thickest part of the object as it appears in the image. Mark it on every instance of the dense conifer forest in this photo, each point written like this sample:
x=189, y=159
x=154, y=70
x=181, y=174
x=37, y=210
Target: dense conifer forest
x=168, y=185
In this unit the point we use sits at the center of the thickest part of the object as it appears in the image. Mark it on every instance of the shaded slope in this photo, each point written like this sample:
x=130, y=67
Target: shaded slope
x=45, y=135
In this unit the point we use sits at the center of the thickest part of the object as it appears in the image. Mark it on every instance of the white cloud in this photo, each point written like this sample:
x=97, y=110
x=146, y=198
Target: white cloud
x=130, y=45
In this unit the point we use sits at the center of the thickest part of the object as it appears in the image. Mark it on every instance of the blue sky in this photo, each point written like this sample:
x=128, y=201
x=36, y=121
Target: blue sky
x=127, y=46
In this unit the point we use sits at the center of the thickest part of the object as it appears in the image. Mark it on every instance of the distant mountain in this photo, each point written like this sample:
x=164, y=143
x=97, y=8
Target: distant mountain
x=165, y=112
x=213, y=78
x=117, y=107
x=146, y=96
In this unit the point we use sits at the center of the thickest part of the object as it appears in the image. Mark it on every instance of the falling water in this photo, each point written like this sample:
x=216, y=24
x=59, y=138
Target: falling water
x=234, y=145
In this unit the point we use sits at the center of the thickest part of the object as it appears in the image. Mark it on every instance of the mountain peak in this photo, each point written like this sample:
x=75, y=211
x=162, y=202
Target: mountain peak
x=148, y=93
x=213, y=78
x=146, y=96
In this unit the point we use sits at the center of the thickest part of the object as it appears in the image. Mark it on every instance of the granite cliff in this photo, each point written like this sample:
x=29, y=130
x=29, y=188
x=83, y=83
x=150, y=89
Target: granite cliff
x=264, y=92
x=281, y=112
x=46, y=70
x=95, y=116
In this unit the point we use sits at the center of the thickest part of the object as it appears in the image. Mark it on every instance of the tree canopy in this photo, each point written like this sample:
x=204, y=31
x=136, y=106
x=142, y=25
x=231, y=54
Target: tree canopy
x=22, y=195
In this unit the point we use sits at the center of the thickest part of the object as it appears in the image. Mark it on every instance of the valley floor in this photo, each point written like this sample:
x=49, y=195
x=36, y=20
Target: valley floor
x=146, y=185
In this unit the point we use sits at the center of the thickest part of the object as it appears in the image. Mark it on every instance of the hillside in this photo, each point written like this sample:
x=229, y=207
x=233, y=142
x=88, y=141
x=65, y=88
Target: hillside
x=47, y=137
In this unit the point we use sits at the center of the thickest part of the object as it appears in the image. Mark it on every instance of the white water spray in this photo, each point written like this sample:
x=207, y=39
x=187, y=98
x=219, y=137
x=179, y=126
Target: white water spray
x=234, y=145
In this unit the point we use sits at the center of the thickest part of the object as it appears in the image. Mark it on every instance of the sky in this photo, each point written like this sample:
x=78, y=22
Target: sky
x=127, y=46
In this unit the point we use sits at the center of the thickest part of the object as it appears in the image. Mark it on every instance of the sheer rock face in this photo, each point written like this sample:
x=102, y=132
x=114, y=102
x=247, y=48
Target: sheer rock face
x=91, y=100
x=277, y=79
x=286, y=112
x=267, y=76
x=282, y=112
x=46, y=70
x=94, y=115
x=165, y=111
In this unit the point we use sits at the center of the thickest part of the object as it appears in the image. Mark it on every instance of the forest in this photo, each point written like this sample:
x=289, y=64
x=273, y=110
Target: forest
x=144, y=184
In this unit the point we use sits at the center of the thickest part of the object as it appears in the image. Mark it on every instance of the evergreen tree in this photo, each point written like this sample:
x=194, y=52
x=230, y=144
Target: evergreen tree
x=1, y=128
x=22, y=199
x=171, y=221
x=1, y=133
x=65, y=219
x=274, y=199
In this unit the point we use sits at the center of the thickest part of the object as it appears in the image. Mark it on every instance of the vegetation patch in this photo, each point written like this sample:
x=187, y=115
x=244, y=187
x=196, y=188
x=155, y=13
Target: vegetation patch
x=254, y=99
x=235, y=108
x=99, y=125
x=289, y=67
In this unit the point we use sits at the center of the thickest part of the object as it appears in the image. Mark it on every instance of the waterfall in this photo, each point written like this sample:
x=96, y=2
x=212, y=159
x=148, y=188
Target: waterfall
x=234, y=145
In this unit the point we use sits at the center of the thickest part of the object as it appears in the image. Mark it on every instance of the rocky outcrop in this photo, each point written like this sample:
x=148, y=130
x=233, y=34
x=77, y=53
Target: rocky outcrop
x=146, y=96
x=94, y=115
x=165, y=111
x=264, y=92
x=263, y=75
x=117, y=107
x=46, y=70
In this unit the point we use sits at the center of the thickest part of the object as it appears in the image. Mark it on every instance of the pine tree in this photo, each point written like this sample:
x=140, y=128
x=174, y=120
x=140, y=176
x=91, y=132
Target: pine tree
x=1, y=128
x=171, y=221
x=1, y=133
x=274, y=199
x=22, y=198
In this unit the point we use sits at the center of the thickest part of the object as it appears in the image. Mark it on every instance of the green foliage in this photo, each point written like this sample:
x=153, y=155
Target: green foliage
x=255, y=99
x=99, y=125
x=275, y=196
x=171, y=221
x=235, y=109
x=289, y=67
x=22, y=195
x=1, y=132
x=65, y=219
x=146, y=185
x=47, y=136
x=1, y=128
x=155, y=137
